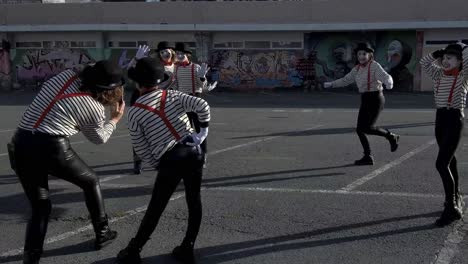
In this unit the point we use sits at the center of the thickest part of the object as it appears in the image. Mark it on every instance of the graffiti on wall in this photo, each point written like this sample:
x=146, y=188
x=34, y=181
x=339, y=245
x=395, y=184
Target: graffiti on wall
x=38, y=65
x=5, y=66
x=251, y=68
x=334, y=54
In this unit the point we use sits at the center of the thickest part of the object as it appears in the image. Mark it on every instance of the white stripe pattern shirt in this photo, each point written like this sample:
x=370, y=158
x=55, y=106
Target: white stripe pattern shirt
x=150, y=135
x=368, y=78
x=443, y=83
x=186, y=79
x=70, y=115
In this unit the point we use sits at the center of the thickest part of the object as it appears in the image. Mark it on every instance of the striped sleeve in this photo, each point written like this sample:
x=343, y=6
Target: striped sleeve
x=381, y=75
x=140, y=142
x=428, y=63
x=346, y=80
x=93, y=124
x=465, y=62
x=197, y=105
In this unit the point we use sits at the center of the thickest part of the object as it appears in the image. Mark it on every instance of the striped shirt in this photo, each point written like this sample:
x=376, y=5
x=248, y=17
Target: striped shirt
x=368, y=78
x=150, y=134
x=69, y=115
x=444, y=96
x=186, y=79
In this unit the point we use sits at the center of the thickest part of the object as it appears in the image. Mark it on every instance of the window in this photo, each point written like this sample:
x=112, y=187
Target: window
x=83, y=44
x=257, y=45
x=127, y=44
x=30, y=44
x=228, y=45
x=444, y=42
x=286, y=45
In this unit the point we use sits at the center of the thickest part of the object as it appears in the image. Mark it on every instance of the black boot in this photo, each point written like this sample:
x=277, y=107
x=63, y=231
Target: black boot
x=31, y=256
x=393, y=139
x=450, y=214
x=104, y=235
x=130, y=254
x=366, y=160
x=184, y=253
x=137, y=167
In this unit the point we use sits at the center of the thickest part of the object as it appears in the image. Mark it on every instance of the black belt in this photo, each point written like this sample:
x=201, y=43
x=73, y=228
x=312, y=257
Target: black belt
x=21, y=131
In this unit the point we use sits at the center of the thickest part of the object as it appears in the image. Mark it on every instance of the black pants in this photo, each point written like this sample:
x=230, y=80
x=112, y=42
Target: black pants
x=181, y=162
x=448, y=131
x=36, y=157
x=372, y=103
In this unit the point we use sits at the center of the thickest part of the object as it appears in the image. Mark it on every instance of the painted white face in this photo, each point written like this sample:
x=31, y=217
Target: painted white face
x=165, y=54
x=450, y=62
x=394, y=53
x=363, y=56
x=181, y=56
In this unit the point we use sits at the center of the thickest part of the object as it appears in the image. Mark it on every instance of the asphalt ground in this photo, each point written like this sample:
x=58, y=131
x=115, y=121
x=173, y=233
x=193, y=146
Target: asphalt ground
x=279, y=187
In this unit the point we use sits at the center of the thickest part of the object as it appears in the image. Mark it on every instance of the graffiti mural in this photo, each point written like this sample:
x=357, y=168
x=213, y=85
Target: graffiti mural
x=5, y=66
x=334, y=54
x=37, y=65
x=255, y=69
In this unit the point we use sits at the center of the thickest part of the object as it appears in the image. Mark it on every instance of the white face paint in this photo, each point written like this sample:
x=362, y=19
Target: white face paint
x=363, y=56
x=181, y=56
x=450, y=62
x=165, y=54
x=394, y=53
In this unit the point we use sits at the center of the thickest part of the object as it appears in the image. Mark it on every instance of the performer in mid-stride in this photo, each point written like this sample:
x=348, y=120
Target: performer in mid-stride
x=369, y=77
x=190, y=78
x=163, y=137
x=448, y=69
x=68, y=103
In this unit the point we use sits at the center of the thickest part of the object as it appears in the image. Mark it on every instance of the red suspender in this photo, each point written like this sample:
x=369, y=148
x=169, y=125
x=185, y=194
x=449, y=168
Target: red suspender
x=368, y=74
x=59, y=96
x=161, y=114
x=451, y=90
x=193, y=79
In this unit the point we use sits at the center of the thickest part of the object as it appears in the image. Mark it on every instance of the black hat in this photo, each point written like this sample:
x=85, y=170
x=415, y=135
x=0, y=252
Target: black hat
x=164, y=45
x=365, y=46
x=147, y=72
x=454, y=49
x=104, y=75
x=181, y=46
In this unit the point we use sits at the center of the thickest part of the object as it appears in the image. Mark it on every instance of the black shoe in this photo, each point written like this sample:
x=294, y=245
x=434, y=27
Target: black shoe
x=184, y=254
x=104, y=235
x=448, y=216
x=31, y=256
x=366, y=160
x=130, y=254
x=137, y=167
x=393, y=139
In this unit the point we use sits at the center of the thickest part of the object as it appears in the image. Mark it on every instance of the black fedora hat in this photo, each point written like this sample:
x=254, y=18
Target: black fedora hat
x=104, y=75
x=147, y=72
x=365, y=46
x=164, y=45
x=181, y=46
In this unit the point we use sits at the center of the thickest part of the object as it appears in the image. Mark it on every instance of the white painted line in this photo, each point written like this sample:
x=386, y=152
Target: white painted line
x=260, y=140
x=386, y=167
x=7, y=130
x=452, y=243
x=66, y=235
x=3, y=154
x=286, y=190
x=60, y=182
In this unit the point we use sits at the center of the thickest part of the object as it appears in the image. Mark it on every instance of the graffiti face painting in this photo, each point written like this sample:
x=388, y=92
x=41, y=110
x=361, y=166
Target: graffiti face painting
x=394, y=53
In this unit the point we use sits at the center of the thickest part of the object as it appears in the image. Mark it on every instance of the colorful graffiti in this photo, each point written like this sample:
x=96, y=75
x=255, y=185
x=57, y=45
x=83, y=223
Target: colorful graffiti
x=250, y=69
x=37, y=65
x=334, y=54
x=5, y=66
